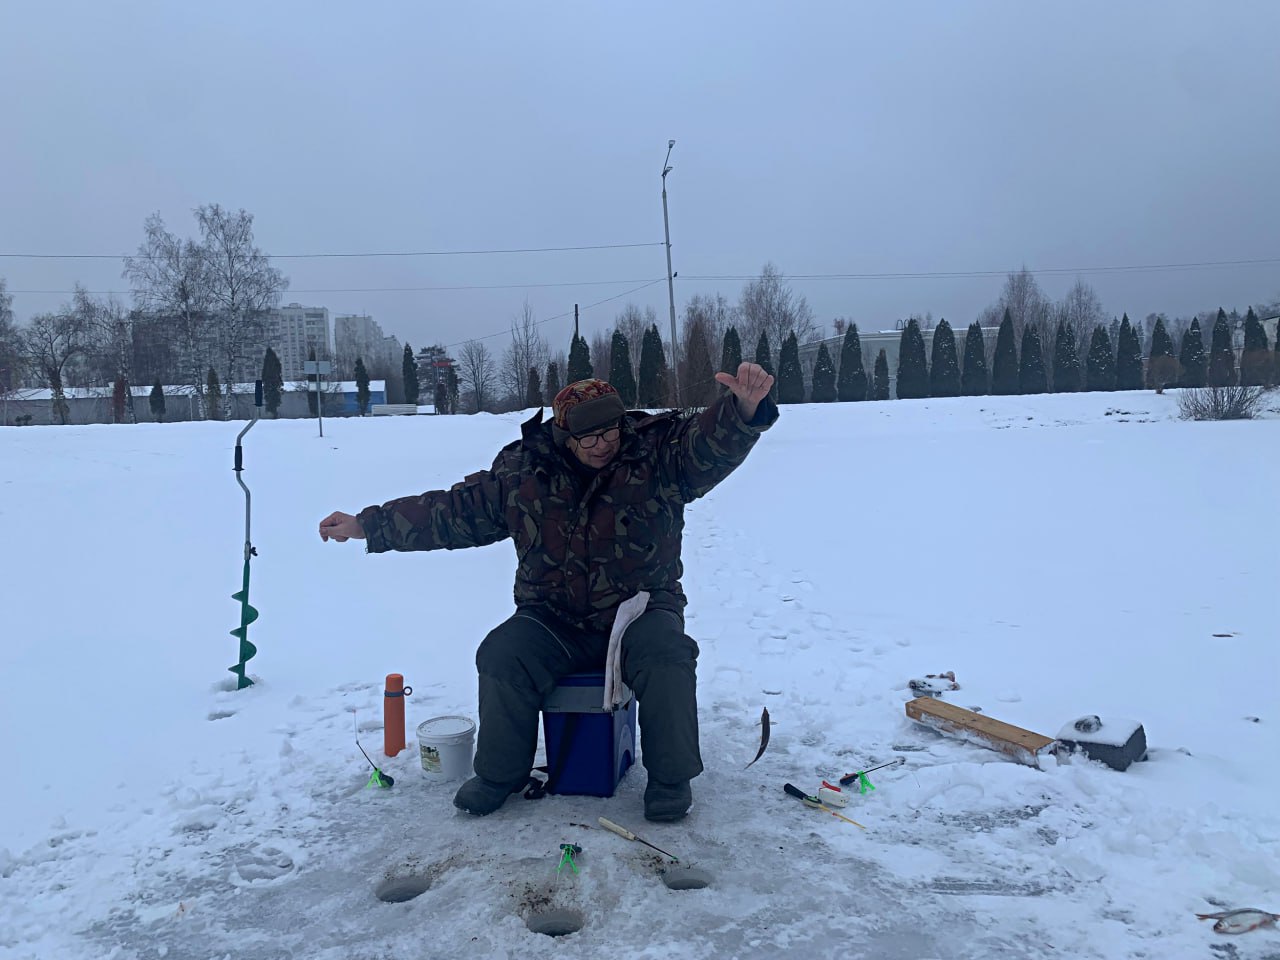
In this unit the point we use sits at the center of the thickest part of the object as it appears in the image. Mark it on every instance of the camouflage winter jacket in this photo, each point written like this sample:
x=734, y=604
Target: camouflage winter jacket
x=585, y=540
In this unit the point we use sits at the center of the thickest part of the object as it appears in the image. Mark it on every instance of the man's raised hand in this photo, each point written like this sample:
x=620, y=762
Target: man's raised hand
x=750, y=386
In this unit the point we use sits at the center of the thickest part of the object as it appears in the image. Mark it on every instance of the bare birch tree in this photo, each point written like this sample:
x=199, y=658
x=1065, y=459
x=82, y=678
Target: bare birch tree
x=170, y=284
x=769, y=306
x=602, y=352
x=1080, y=310
x=12, y=365
x=49, y=344
x=633, y=322
x=477, y=375
x=242, y=286
x=1025, y=301
x=108, y=328
x=527, y=349
x=715, y=314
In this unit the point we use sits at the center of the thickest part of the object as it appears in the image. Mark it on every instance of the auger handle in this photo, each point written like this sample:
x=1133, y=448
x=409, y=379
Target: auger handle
x=794, y=791
x=612, y=827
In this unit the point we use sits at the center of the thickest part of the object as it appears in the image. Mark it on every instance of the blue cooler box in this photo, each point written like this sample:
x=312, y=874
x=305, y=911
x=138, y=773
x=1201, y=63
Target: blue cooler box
x=600, y=744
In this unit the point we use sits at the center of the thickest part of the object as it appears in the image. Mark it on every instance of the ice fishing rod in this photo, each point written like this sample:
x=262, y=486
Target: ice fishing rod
x=626, y=834
x=810, y=801
x=377, y=778
x=860, y=775
x=247, y=613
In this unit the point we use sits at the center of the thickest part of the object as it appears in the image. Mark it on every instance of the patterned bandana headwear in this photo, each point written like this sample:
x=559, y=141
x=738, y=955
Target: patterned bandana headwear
x=585, y=406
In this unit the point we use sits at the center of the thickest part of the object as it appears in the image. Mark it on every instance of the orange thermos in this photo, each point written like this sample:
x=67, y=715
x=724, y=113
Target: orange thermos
x=393, y=714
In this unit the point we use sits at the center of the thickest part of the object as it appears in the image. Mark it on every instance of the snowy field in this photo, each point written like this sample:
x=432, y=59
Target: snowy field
x=1063, y=555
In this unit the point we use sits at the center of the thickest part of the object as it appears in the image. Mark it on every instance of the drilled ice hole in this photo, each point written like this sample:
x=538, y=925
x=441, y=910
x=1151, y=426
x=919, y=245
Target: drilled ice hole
x=556, y=923
x=686, y=878
x=402, y=889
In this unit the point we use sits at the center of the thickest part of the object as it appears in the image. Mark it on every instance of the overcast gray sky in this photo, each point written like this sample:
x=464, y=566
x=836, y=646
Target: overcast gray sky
x=837, y=137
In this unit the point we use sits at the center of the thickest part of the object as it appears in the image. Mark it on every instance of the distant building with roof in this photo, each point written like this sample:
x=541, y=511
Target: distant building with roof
x=93, y=404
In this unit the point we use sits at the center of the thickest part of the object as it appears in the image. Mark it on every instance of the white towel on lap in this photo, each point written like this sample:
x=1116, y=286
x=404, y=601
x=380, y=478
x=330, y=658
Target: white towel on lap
x=628, y=610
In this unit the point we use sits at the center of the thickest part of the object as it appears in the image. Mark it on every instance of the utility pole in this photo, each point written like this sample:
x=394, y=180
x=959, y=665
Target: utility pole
x=671, y=290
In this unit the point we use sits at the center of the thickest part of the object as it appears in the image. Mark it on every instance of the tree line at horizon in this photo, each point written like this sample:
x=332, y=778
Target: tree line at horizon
x=1014, y=369
x=200, y=306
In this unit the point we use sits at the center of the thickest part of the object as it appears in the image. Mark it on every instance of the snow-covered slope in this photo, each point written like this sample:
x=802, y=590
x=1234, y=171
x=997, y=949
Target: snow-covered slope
x=1063, y=555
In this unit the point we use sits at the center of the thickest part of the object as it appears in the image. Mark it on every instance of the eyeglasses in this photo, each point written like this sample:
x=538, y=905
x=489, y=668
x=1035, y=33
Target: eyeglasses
x=591, y=439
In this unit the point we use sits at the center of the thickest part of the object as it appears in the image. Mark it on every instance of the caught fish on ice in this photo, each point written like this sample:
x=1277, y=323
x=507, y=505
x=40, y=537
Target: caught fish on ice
x=1240, y=921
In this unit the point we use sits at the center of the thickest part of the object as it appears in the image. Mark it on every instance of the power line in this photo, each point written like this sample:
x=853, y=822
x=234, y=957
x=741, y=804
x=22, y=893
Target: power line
x=884, y=275
x=957, y=274
x=495, y=286
x=319, y=256
x=567, y=313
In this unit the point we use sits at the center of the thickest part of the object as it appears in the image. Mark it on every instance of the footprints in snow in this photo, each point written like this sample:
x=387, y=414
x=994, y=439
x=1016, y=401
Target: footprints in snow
x=262, y=865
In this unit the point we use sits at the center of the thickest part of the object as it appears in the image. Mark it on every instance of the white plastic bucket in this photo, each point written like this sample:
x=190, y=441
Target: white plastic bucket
x=447, y=747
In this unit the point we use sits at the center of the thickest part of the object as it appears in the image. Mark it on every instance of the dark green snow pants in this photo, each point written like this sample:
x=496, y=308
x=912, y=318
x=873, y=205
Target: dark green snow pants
x=521, y=660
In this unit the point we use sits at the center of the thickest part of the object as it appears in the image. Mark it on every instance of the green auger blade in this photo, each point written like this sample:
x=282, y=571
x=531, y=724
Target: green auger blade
x=248, y=614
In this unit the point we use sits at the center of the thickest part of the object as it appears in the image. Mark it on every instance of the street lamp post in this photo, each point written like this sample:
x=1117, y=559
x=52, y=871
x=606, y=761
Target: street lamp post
x=671, y=290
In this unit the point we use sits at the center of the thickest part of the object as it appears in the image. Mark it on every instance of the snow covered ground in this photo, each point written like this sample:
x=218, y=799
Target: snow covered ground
x=1063, y=555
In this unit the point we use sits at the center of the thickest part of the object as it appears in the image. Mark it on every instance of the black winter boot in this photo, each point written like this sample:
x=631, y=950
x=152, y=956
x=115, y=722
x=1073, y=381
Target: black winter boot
x=667, y=802
x=480, y=797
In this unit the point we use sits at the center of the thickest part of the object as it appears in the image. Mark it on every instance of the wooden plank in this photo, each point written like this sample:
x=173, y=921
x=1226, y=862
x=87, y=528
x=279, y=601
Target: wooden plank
x=1018, y=744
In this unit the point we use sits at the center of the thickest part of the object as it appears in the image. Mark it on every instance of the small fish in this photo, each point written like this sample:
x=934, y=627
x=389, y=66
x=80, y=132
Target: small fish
x=764, y=735
x=1240, y=921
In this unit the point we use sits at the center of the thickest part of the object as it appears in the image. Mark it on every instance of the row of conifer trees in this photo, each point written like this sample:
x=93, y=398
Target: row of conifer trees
x=1015, y=367
x=1024, y=367
x=1029, y=370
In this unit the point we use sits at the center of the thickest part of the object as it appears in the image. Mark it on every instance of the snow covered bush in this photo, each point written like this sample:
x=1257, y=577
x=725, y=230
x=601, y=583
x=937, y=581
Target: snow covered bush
x=1220, y=403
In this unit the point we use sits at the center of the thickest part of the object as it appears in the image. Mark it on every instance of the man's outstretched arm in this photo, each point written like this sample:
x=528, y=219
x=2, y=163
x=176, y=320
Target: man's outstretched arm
x=468, y=514
x=710, y=446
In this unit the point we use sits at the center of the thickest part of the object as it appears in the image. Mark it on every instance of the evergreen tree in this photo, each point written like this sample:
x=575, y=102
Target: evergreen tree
x=213, y=395
x=1032, y=377
x=1128, y=357
x=363, y=394
x=880, y=378
x=313, y=387
x=553, y=382
x=1004, y=366
x=944, y=369
x=119, y=396
x=451, y=381
x=973, y=378
x=157, y=402
x=409, y=369
x=731, y=352
x=790, y=377
x=765, y=358
x=824, y=377
x=533, y=389
x=620, y=373
x=1275, y=367
x=1100, y=371
x=1162, y=368
x=272, y=382
x=1066, y=360
x=701, y=384
x=1255, y=360
x=913, y=372
x=579, y=360
x=852, y=381
x=652, y=385
x=1192, y=359
x=1222, y=357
